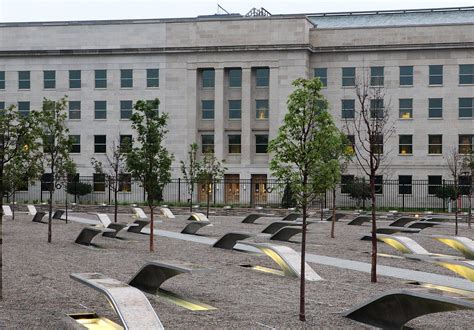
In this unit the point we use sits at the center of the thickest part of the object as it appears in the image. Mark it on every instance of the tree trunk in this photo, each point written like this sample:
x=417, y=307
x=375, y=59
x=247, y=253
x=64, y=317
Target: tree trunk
x=333, y=222
x=152, y=233
x=321, y=209
x=373, y=271
x=469, y=216
x=304, y=205
x=456, y=218
x=13, y=207
x=50, y=202
x=208, y=195
x=116, y=204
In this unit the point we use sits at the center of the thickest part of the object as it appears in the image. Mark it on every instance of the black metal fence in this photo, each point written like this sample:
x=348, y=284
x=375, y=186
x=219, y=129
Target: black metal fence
x=418, y=195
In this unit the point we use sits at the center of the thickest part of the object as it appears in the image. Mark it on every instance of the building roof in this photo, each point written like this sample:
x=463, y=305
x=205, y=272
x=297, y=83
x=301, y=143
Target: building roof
x=460, y=15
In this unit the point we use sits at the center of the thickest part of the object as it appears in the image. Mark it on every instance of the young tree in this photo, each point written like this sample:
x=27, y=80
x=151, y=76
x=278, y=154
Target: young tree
x=371, y=128
x=468, y=168
x=210, y=172
x=300, y=153
x=455, y=162
x=56, y=148
x=190, y=172
x=78, y=189
x=149, y=161
x=18, y=145
x=114, y=169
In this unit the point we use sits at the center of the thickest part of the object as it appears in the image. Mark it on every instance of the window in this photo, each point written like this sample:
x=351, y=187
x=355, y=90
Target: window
x=100, y=109
x=126, y=78
x=376, y=108
x=436, y=74
x=49, y=105
x=435, y=144
x=48, y=143
x=126, y=109
x=152, y=78
x=207, y=143
x=235, y=144
x=348, y=77
x=404, y=184
x=262, y=77
x=346, y=180
x=2, y=105
x=100, y=78
x=235, y=109
x=405, y=145
x=348, y=109
x=155, y=104
x=351, y=144
x=46, y=181
x=207, y=78
x=23, y=79
x=466, y=107
x=74, y=109
x=74, y=78
x=235, y=78
x=322, y=74
x=435, y=108
x=125, y=142
x=376, y=76
x=76, y=144
x=2, y=79
x=99, y=181
x=377, y=145
x=466, y=74
x=125, y=182
x=434, y=183
x=100, y=144
x=261, y=143
x=406, y=76
x=261, y=107
x=465, y=182
x=378, y=184
x=49, y=79
x=466, y=142
x=207, y=109
x=405, y=107
x=24, y=108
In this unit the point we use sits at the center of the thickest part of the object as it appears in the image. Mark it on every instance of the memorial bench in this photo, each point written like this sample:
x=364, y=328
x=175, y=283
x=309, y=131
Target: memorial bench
x=288, y=259
x=461, y=244
x=251, y=218
x=229, y=240
x=291, y=217
x=358, y=221
x=285, y=233
x=197, y=216
x=130, y=304
x=393, y=309
x=192, y=227
x=87, y=234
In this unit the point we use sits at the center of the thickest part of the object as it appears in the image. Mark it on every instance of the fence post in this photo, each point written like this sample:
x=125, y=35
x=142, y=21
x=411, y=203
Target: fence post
x=403, y=197
x=444, y=200
x=251, y=193
x=179, y=190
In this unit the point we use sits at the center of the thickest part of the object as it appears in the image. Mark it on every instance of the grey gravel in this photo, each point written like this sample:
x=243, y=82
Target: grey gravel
x=38, y=293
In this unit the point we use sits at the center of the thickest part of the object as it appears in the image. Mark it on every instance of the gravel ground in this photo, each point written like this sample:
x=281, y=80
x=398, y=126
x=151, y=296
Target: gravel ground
x=38, y=293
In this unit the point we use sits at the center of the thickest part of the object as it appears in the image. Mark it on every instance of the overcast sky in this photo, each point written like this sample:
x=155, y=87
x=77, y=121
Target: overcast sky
x=57, y=10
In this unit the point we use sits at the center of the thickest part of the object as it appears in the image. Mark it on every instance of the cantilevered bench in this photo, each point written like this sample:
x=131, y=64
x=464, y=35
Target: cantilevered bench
x=423, y=224
x=229, y=240
x=130, y=304
x=288, y=259
x=88, y=233
x=277, y=225
x=139, y=224
x=251, y=218
x=7, y=211
x=166, y=212
x=31, y=209
x=196, y=216
x=139, y=213
x=116, y=226
x=154, y=273
x=391, y=230
x=285, y=233
x=38, y=217
x=339, y=216
x=291, y=217
x=403, y=244
x=58, y=214
x=464, y=268
x=357, y=221
x=461, y=244
x=403, y=221
x=192, y=227
x=392, y=309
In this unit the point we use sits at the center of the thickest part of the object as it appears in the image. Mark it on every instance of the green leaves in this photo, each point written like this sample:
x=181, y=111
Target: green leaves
x=149, y=161
x=307, y=150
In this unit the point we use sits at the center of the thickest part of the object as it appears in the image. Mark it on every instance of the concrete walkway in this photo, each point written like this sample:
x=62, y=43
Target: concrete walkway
x=401, y=273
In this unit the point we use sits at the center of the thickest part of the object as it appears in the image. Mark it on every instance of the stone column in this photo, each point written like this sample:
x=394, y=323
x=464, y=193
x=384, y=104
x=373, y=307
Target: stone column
x=247, y=116
x=219, y=138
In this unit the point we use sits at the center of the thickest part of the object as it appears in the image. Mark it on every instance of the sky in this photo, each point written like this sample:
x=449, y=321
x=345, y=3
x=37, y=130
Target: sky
x=64, y=10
